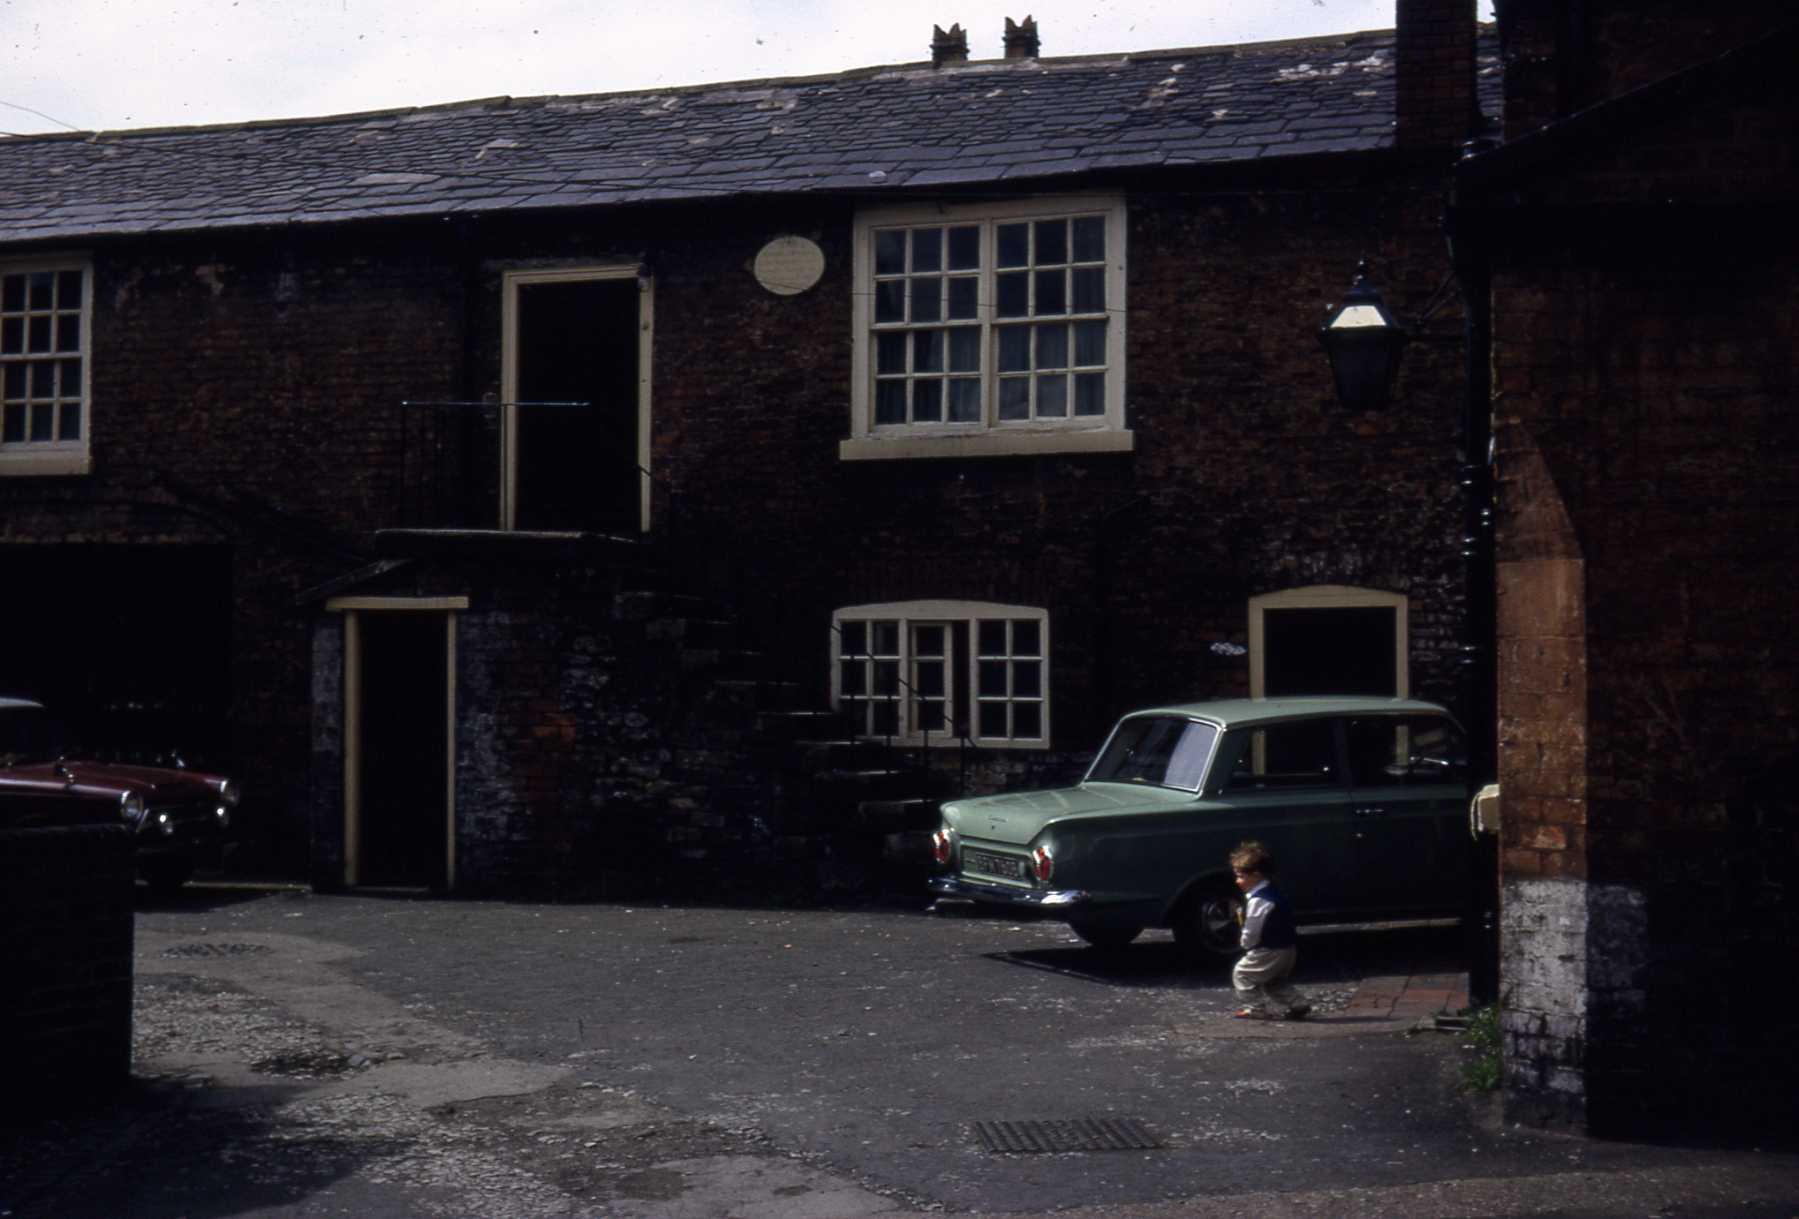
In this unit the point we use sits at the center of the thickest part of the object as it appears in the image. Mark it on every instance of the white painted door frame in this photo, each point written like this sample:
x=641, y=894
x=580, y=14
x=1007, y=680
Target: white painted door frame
x=352, y=608
x=511, y=281
x=1328, y=596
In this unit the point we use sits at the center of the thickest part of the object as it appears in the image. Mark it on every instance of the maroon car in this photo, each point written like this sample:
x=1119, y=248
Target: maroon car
x=180, y=817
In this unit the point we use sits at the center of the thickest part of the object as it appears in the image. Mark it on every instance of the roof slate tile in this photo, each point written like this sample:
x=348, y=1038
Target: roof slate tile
x=868, y=131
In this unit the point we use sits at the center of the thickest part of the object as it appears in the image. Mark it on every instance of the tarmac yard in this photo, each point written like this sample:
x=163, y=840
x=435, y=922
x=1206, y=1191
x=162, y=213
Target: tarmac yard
x=302, y=1055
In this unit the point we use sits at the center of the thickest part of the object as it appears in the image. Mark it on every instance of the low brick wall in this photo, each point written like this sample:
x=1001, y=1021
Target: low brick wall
x=66, y=924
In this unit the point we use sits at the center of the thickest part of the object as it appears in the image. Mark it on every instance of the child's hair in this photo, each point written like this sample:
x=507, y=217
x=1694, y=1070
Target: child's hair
x=1252, y=856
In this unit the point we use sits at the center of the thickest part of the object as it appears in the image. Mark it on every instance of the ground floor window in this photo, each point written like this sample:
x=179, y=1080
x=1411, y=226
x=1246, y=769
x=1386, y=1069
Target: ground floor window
x=938, y=672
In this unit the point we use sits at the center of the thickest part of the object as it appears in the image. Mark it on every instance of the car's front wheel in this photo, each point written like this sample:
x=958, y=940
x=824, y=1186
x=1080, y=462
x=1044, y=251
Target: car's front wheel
x=1104, y=935
x=1209, y=925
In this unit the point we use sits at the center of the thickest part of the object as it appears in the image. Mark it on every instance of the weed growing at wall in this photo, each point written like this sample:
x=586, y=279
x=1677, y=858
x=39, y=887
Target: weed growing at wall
x=1481, y=1072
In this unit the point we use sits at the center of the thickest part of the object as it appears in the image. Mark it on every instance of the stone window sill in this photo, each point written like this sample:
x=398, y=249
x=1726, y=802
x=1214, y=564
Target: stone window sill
x=986, y=444
x=45, y=465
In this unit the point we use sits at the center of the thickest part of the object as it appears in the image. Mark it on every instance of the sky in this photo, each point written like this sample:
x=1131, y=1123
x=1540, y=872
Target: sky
x=95, y=65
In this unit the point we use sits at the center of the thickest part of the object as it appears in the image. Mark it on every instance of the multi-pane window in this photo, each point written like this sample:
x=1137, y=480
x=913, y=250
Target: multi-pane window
x=928, y=333
x=43, y=349
x=973, y=322
x=868, y=668
x=1008, y=684
x=929, y=696
x=1051, y=319
x=936, y=672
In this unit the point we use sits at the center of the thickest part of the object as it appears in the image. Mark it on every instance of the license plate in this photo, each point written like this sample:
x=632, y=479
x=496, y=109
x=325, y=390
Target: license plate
x=1008, y=866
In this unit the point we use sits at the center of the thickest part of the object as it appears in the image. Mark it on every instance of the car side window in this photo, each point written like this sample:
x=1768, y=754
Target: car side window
x=1389, y=751
x=1288, y=757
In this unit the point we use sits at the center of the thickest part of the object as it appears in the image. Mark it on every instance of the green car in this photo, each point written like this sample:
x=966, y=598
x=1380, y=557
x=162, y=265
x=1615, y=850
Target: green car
x=1363, y=802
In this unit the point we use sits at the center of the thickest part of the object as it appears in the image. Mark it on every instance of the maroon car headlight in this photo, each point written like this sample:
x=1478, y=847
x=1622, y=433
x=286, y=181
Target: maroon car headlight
x=1043, y=864
x=131, y=806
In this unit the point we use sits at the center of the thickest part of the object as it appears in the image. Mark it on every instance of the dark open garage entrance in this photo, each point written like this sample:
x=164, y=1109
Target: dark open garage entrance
x=129, y=645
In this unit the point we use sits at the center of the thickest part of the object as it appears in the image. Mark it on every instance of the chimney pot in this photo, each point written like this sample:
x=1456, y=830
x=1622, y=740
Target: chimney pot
x=948, y=48
x=1021, y=38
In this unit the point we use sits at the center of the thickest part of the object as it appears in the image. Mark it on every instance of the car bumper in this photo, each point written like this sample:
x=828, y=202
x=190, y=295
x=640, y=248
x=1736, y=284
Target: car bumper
x=1057, y=900
x=193, y=832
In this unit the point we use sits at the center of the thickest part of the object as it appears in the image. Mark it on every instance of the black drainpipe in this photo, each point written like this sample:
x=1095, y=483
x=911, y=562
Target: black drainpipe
x=1473, y=268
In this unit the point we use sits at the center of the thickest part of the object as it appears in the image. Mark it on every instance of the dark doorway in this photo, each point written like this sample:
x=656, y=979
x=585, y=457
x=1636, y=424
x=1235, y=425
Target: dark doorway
x=128, y=645
x=1330, y=651
x=402, y=793
x=576, y=466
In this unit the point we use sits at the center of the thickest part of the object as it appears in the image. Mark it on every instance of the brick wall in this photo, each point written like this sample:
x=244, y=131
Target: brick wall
x=1644, y=410
x=1562, y=58
x=66, y=900
x=248, y=391
x=1434, y=99
x=246, y=398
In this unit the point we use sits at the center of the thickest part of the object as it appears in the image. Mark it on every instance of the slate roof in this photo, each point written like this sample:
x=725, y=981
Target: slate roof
x=870, y=131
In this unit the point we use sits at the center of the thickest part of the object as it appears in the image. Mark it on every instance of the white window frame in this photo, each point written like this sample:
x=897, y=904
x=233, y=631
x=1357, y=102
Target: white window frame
x=1328, y=596
x=1102, y=433
x=54, y=457
x=511, y=281
x=964, y=618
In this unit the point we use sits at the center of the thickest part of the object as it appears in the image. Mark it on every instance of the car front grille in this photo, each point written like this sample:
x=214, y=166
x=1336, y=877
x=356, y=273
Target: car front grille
x=188, y=819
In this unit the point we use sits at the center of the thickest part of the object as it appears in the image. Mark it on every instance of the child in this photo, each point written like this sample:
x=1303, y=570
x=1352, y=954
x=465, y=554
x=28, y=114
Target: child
x=1270, y=941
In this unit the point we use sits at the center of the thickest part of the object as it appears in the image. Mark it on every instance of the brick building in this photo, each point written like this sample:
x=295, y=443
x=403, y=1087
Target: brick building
x=1633, y=239
x=469, y=479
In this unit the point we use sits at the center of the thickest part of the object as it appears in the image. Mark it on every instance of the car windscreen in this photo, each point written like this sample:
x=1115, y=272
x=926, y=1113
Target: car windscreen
x=1164, y=750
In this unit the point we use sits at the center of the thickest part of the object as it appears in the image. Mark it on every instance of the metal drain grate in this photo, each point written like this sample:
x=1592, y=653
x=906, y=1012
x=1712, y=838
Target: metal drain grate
x=1080, y=1134
x=216, y=950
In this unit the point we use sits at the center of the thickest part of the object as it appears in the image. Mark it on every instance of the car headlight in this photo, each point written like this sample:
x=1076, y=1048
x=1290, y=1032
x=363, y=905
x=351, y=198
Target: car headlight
x=230, y=793
x=131, y=806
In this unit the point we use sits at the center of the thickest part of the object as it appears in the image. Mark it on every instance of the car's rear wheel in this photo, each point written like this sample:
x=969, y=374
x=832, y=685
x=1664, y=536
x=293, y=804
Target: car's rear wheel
x=1209, y=927
x=165, y=876
x=1103, y=935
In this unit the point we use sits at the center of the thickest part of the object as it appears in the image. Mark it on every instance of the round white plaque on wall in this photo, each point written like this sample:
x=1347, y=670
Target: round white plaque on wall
x=788, y=266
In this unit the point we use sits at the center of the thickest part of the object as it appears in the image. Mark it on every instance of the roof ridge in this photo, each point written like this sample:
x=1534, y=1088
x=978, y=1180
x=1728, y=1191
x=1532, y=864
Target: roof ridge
x=891, y=131
x=870, y=72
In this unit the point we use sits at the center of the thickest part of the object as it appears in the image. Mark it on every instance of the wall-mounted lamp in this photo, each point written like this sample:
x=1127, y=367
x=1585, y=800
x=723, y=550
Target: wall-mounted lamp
x=1363, y=341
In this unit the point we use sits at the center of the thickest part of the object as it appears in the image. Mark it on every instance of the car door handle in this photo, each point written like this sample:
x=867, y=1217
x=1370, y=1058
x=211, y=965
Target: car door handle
x=1370, y=811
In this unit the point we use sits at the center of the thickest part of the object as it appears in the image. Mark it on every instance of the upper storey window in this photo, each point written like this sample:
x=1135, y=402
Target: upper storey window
x=44, y=322
x=990, y=329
